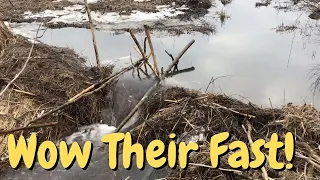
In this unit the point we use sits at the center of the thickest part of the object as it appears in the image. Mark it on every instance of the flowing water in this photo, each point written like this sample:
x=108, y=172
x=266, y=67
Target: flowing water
x=246, y=56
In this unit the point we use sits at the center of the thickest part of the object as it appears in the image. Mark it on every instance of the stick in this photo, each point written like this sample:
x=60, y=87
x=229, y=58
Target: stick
x=2, y=132
x=93, y=34
x=223, y=107
x=181, y=71
x=180, y=56
x=148, y=93
x=137, y=43
x=221, y=169
x=263, y=169
x=176, y=67
x=152, y=50
x=143, y=54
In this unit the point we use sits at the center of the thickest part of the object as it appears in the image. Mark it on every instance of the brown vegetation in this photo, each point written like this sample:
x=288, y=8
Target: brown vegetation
x=52, y=76
x=186, y=112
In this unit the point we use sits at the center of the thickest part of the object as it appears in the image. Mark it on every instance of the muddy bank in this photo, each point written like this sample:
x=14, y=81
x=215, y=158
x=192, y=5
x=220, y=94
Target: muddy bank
x=169, y=15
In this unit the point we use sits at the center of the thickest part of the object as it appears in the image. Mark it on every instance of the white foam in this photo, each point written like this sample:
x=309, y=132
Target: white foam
x=92, y=133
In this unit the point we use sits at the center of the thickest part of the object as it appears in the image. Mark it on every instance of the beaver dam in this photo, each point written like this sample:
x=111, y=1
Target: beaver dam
x=52, y=92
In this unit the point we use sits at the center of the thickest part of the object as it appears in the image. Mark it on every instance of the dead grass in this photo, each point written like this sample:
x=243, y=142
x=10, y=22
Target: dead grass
x=52, y=76
x=185, y=112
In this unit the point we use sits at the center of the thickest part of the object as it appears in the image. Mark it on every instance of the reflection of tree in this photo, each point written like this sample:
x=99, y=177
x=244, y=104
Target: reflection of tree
x=314, y=76
x=305, y=26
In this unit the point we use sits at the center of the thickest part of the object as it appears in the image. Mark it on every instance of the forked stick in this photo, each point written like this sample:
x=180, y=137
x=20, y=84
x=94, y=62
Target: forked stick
x=148, y=93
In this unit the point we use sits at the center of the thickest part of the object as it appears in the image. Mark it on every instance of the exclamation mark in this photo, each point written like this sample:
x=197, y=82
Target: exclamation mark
x=289, y=149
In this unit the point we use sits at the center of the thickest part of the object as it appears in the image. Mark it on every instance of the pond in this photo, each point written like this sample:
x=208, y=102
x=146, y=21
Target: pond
x=249, y=59
x=246, y=52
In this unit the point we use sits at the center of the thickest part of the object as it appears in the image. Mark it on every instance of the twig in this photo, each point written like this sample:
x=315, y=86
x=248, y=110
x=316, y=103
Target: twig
x=143, y=54
x=316, y=165
x=134, y=110
x=152, y=50
x=93, y=34
x=2, y=132
x=213, y=80
x=274, y=117
x=228, y=109
x=221, y=169
x=263, y=169
x=171, y=56
x=181, y=71
x=24, y=92
x=11, y=3
x=137, y=43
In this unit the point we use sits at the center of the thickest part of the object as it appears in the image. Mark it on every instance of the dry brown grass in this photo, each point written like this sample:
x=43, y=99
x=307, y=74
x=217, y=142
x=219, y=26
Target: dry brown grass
x=52, y=76
x=181, y=111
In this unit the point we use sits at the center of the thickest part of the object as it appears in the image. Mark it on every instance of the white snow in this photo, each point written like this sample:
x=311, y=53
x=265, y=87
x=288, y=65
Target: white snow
x=196, y=138
x=77, y=14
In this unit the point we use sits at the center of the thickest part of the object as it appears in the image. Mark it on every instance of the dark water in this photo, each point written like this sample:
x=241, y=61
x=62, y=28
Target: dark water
x=255, y=62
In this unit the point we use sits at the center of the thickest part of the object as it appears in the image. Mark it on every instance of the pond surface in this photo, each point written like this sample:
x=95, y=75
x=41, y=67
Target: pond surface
x=246, y=49
x=255, y=62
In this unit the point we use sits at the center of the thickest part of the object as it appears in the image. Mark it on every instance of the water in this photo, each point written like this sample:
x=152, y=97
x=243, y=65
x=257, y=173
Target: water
x=246, y=49
x=255, y=62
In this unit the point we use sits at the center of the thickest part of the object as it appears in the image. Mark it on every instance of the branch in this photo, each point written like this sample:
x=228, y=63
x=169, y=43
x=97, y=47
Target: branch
x=3, y=132
x=93, y=34
x=152, y=50
x=263, y=169
x=148, y=93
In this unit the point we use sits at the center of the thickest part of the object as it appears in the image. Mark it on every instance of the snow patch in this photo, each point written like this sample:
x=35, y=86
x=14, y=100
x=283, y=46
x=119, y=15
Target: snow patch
x=77, y=14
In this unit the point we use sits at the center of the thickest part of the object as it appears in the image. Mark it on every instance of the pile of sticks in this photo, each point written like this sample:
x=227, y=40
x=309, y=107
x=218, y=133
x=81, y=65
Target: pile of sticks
x=138, y=65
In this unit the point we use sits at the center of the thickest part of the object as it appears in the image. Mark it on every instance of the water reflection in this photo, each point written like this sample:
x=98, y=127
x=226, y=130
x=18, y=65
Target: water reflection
x=246, y=49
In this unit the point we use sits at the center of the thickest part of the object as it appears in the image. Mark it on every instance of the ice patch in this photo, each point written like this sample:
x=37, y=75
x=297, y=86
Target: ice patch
x=28, y=30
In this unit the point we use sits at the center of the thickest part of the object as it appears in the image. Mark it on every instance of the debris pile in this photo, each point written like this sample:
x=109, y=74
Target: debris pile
x=51, y=77
x=182, y=111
